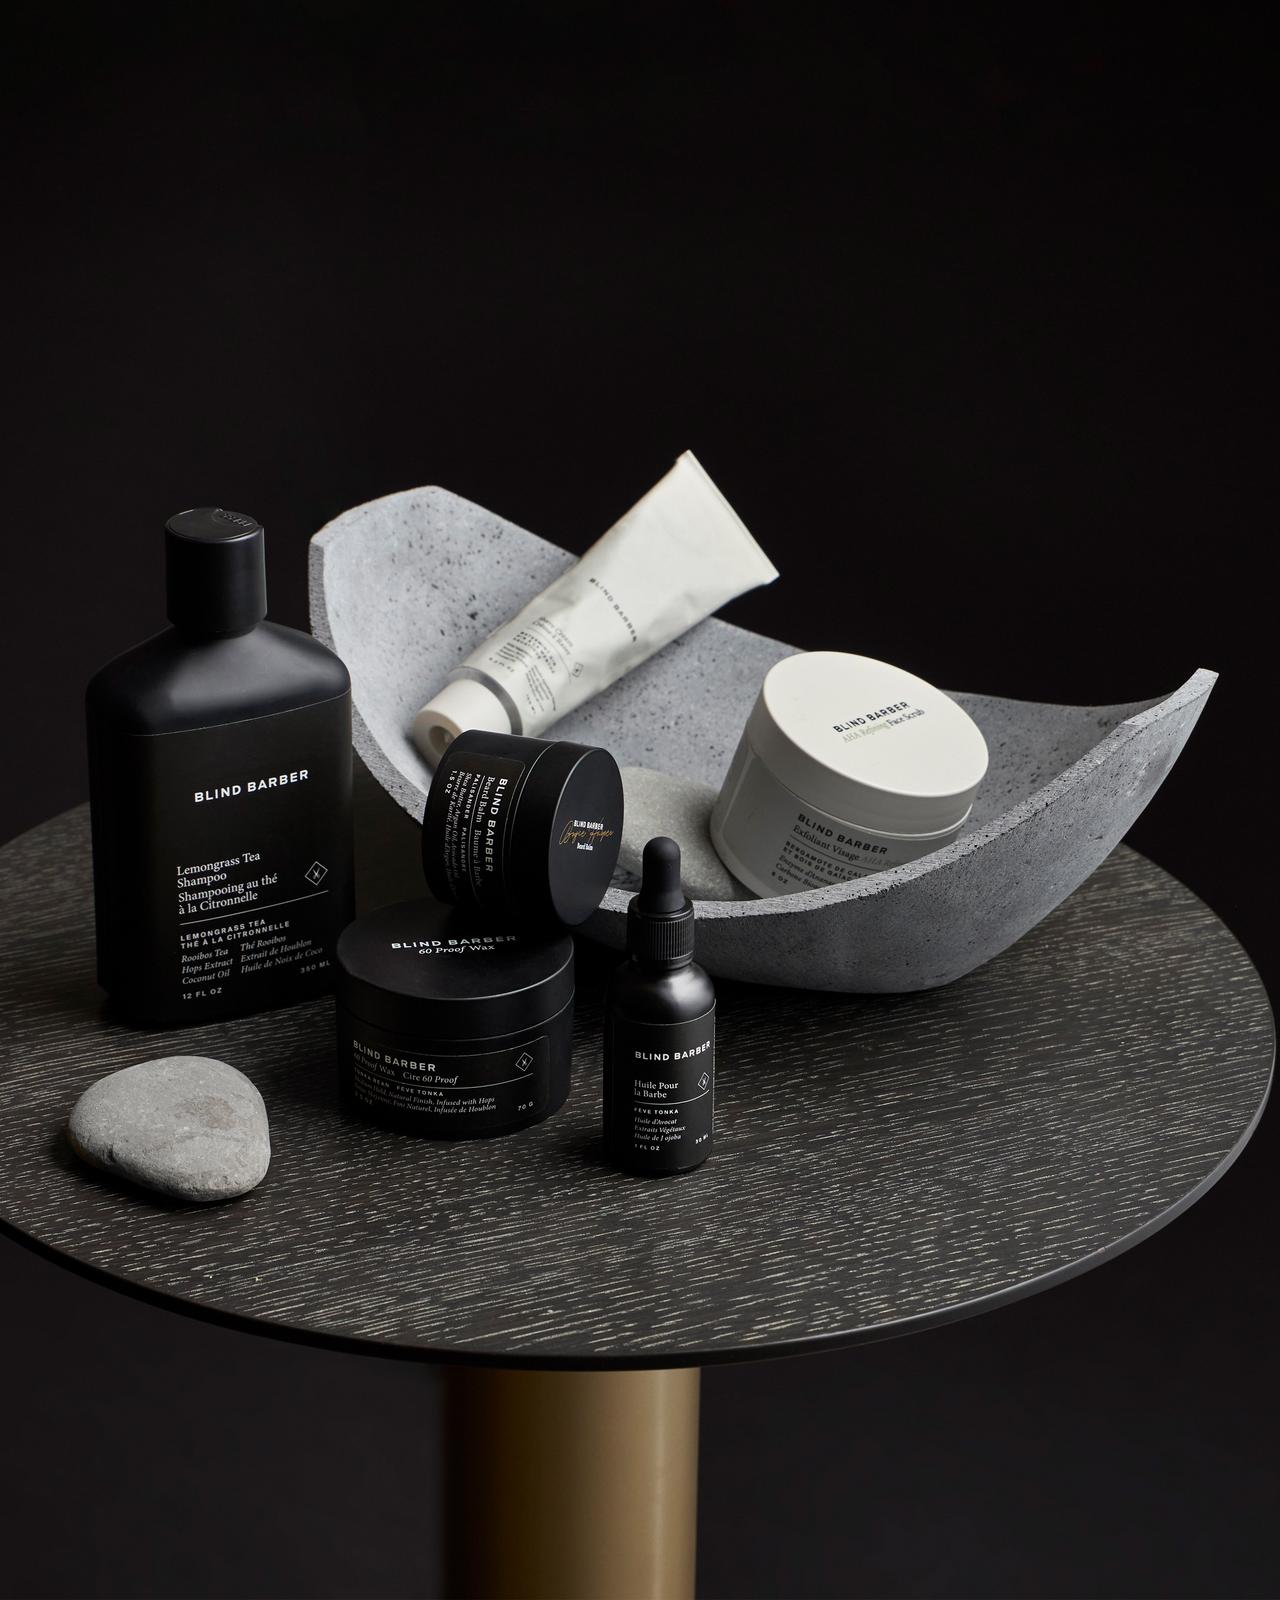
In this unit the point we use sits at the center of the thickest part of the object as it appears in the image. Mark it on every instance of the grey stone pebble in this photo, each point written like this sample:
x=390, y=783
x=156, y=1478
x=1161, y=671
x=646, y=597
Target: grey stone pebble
x=191, y=1127
x=658, y=803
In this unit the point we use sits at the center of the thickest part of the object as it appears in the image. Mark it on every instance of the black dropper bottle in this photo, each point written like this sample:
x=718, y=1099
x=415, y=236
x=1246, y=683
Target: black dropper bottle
x=659, y=1037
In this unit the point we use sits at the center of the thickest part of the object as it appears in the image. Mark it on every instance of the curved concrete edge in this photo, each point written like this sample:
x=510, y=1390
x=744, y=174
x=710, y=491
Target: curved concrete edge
x=975, y=897
x=972, y=909
x=1194, y=692
x=408, y=795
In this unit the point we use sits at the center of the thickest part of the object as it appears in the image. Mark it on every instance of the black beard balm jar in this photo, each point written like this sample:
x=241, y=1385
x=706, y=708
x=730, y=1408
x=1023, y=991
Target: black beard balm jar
x=522, y=830
x=449, y=1028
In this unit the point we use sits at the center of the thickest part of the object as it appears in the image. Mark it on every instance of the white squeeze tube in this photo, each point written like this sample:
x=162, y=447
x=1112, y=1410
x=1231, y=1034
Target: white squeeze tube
x=679, y=554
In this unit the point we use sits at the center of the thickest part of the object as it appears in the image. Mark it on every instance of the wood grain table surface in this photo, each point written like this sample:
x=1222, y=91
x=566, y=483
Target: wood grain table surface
x=882, y=1163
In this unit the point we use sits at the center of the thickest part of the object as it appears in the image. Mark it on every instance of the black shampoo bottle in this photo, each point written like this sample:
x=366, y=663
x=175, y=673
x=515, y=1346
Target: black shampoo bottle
x=220, y=793
x=659, y=1041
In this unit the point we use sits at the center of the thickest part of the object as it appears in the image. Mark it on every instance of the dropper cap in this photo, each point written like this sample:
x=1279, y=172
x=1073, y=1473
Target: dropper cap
x=660, y=917
x=215, y=572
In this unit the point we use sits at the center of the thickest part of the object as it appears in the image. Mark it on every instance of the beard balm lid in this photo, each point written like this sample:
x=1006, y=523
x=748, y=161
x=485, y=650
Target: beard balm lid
x=867, y=742
x=431, y=971
x=524, y=830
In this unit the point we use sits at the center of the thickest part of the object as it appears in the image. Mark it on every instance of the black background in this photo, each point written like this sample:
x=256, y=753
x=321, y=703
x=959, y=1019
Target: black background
x=972, y=315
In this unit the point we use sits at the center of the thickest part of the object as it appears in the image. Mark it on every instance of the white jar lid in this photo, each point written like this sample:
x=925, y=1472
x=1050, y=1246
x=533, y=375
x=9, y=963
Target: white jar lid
x=866, y=742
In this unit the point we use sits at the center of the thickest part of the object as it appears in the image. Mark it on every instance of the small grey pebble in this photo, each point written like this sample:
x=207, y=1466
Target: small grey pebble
x=189, y=1126
x=658, y=803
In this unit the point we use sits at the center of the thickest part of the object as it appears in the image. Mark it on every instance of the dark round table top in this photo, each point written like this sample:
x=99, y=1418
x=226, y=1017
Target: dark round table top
x=882, y=1164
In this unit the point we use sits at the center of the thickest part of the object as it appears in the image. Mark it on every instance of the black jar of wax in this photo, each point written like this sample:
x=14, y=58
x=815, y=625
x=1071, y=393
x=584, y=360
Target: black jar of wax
x=451, y=1028
x=522, y=830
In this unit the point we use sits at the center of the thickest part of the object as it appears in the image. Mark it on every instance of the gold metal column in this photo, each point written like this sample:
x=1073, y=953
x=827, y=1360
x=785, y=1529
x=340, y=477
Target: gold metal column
x=571, y=1485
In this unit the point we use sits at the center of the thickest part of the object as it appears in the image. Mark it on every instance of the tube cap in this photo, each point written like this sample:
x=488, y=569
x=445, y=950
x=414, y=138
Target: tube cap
x=460, y=705
x=215, y=571
x=660, y=917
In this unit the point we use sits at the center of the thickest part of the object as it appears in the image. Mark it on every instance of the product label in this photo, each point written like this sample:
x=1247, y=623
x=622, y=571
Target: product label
x=584, y=834
x=533, y=661
x=814, y=850
x=877, y=721
x=660, y=1082
x=223, y=863
x=788, y=845
x=451, y=1093
x=479, y=798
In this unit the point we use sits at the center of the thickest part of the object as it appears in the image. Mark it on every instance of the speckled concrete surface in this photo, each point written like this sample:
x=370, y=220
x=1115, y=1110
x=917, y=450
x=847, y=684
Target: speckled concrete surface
x=404, y=587
x=660, y=802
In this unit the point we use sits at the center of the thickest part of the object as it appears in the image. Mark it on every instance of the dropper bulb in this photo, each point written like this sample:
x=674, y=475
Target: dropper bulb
x=661, y=894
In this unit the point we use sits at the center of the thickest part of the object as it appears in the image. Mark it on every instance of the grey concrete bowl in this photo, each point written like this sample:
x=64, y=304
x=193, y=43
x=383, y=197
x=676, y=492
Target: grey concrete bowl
x=403, y=587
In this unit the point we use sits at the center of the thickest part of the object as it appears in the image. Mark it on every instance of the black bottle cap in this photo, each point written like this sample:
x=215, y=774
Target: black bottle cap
x=660, y=917
x=215, y=571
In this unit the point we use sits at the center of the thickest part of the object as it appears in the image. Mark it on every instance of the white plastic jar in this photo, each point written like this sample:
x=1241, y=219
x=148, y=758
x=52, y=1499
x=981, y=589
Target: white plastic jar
x=846, y=766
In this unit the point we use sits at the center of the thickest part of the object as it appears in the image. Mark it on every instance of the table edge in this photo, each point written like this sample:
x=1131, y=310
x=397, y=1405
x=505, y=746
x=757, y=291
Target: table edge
x=814, y=1344
x=653, y=1360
